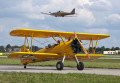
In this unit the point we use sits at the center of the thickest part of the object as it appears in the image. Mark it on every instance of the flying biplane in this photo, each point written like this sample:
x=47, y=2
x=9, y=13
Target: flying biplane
x=60, y=13
x=60, y=51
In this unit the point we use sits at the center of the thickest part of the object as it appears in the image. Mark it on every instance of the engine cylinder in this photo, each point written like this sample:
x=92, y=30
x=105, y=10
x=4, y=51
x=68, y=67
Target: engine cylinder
x=76, y=47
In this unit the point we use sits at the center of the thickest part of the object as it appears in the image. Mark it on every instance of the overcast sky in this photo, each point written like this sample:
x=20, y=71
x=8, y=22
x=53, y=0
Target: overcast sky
x=93, y=16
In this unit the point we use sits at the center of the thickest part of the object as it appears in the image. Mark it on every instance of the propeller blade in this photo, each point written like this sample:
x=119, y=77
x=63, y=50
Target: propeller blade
x=82, y=46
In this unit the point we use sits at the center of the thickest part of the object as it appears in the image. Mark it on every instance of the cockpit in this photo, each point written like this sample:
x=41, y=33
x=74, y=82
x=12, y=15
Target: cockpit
x=59, y=11
x=50, y=45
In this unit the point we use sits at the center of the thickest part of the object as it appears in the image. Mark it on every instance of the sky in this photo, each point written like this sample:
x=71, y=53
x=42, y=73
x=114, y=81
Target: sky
x=92, y=16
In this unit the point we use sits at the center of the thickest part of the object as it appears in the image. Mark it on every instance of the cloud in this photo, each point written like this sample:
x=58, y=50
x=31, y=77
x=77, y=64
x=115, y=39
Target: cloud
x=2, y=28
x=86, y=17
x=84, y=2
x=113, y=18
x=101, y=5
x=34, y=16
x=49, y=28
x=15, y=14
x=8, y=24
x=97, y=30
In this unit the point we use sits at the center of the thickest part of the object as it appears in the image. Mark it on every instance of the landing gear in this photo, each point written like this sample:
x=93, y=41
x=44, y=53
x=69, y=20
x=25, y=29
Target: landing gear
x=25, y=66
x=80, y=65
x=60, y=64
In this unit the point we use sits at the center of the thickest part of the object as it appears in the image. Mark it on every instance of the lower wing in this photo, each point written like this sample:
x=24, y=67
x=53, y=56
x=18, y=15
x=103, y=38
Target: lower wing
x=92, y=56
x=70, y=16
x=32, y=55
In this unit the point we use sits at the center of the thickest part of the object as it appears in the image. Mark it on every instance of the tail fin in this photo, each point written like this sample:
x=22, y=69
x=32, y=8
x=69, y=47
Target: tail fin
x=73, y=11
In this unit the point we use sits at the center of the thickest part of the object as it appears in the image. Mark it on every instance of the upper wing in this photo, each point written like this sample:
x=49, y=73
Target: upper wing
x=31, y=55
x=46, y=34
x=45, y=13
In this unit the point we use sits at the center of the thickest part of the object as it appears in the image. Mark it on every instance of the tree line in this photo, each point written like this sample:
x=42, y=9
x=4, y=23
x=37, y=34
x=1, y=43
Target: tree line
x=9, y=48
x=103, y=48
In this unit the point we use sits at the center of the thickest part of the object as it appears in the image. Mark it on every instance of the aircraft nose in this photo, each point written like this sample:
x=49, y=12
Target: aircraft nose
x=75, y=46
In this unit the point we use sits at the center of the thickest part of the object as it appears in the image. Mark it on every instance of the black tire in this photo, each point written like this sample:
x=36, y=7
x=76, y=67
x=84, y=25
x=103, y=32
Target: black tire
x=80, y=66
x=25, y=65
x=59, y=66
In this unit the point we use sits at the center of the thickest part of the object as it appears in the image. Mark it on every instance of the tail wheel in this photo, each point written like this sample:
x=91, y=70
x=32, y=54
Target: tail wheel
x=80, y=66
x=25, y=65
x=59, y=66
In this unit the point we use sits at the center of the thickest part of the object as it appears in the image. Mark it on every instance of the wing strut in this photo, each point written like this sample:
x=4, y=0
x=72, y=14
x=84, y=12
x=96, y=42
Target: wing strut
x=26, y=39
x=93, y=49
x=55, y=40
x=28, y=43
x=25, y=43
x=89, y=46
x=95, y=46
x=31, y=42
x=61, y=38
x=82, y=46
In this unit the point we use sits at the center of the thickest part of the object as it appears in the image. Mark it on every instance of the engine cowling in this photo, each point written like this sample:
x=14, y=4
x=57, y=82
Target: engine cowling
x=76, y=47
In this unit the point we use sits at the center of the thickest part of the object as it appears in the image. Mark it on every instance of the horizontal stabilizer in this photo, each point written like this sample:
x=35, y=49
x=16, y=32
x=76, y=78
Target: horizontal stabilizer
x=45, y=13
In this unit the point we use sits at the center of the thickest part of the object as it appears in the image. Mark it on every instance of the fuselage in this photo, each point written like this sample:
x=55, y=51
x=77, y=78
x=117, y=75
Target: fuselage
x=67, y=47
x=61, y=49
x=61, y=14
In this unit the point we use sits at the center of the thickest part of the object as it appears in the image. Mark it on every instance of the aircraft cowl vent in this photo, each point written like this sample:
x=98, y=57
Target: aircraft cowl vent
x=75, y=46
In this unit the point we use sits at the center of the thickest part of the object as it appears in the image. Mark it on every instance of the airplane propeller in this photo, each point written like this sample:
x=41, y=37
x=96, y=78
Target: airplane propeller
x=82, y=45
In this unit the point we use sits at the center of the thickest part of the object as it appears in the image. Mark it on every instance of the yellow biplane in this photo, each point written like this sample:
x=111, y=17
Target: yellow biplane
x=60, y=51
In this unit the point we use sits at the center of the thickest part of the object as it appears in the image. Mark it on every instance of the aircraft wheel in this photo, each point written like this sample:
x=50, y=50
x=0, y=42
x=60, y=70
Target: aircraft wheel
x=59, y=66
x=80, y=66
x=25, y=65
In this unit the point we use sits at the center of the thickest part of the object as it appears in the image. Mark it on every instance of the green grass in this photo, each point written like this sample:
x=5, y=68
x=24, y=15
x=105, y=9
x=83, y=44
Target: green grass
x=97, y=63
x=56, y=78
x=112, y=56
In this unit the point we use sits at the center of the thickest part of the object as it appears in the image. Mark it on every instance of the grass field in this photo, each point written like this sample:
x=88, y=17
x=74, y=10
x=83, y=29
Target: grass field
x=56, y=78
x=112, y=56
x=62, y=78
x=97, y=63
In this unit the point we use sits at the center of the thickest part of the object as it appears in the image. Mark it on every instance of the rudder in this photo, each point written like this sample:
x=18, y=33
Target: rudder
x=73, y=11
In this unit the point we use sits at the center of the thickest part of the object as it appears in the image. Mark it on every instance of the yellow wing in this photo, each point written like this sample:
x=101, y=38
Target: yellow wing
x=32, y=55
x=46, y=34
x=92, y=56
